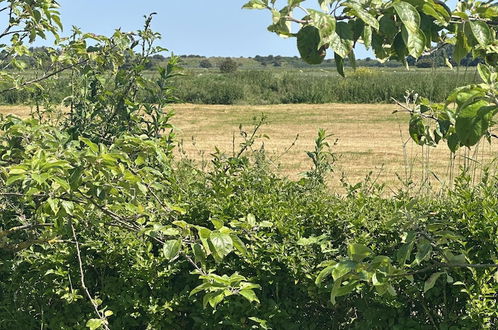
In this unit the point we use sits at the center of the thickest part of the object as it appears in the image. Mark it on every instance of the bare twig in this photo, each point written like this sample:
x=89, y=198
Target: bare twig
x=411, y=111
x=444, y=265
x=82, y=279
x=295, y=20
x=25, y=227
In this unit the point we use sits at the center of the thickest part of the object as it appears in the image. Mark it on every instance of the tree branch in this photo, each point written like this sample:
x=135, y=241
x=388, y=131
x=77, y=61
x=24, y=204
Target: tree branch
x=411, y=111
x=46, y=76
x=444, y=265
x=25, y=227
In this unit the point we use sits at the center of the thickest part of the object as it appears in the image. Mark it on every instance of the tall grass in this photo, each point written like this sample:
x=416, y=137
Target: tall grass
x=274, y=87
x=281, y=86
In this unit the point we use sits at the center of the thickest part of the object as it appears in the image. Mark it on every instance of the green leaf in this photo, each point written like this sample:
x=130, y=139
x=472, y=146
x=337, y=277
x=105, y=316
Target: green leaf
x=473, y=122
x=414, y=40
x=481, y=32
x=408, y=15
x=458, y=259
x=263, y=324
x=325, y=4
x=338, y=290
x=484, y=72
x=217, y=223
x=342, y=268
x=391, y=290
x=453, y=142
x=437, y=11
x=239, y=244
x=305, y=241
x=339, y=64
x=94, y=324
x=367, y=36
x=204, y=235
x=417, y=129
x=378, y=47
x=424, y=248
x=308, y=44
x=171, y=249
x=265, y=224
x=462, y=47
x=222, y=243
x=213, y=298
x=352, y=60
x=199, y=253
x=325, y=23
x=365, y=16
x=429, y=284
x=358, y=252
x=17, y=171
x=342, y=40
x=249, y=295
x=400, y=49
x=404, y=253
x=90, y=144
x=333, y=292
x=251, y=219
x=293, y=3
x=255, y=4
x=199, y=288
x=323, y=274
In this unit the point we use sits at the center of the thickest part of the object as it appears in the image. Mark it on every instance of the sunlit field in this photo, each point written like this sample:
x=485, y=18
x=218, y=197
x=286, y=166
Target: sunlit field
x=367, y=139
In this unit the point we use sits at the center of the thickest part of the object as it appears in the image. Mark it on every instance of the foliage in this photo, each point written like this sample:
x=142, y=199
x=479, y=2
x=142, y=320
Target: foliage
x=228, y=66
x=396, y=29
x=286, y=86
x=100, y=227
x=311, y=87
x=206, y=64
x=235, y=247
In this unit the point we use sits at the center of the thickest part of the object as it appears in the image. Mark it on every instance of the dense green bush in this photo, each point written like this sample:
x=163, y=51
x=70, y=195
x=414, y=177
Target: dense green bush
x=100, y=227
x=125, y=201
x=228, y=65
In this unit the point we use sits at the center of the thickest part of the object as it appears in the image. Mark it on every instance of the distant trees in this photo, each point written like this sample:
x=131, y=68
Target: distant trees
x=425, y=63
x=205, y=64
x=228, y=65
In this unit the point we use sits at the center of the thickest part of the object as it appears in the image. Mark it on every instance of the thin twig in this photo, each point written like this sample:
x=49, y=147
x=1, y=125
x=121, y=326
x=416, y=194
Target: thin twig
x=411, y=111
x=46, y=76
x=25, y=227
x=82, y=279
x=444, y=265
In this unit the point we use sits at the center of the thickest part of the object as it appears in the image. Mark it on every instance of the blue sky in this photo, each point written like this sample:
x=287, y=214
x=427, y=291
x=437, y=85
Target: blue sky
x=202, y=27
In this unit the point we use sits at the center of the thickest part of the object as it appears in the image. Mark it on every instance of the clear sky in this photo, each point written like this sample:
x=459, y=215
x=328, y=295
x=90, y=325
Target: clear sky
x=200, y=27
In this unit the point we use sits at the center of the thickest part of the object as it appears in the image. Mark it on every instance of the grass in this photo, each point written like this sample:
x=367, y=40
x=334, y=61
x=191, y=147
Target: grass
x=366, y=85
x=288, y=86
x=369, y=137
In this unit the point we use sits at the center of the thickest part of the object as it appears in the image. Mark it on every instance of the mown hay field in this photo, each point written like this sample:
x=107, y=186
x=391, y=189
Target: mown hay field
x=370, y=139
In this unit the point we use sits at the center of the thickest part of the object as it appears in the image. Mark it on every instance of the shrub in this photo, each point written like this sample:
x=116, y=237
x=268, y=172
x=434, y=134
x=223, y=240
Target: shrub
x=206, y=64
x=156, y=237
x=425, y=63
x=228, y=65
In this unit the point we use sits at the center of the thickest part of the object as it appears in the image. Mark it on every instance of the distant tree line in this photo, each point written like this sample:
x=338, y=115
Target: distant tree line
x=440, y=57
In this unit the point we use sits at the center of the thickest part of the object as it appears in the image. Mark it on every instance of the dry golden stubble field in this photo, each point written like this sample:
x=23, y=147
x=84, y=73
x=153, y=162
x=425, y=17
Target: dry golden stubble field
x=369, y=139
